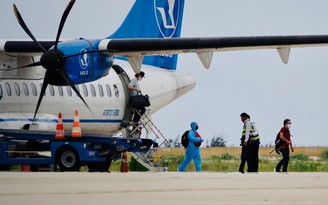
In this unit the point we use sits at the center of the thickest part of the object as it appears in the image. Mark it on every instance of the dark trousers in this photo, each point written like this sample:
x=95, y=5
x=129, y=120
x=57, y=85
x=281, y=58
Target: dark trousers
x=284, y=162
x=253, y=157
x=244, y=158
x=137, y=117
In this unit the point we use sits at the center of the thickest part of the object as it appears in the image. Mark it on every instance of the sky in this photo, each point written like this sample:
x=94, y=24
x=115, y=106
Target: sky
x=256, y=82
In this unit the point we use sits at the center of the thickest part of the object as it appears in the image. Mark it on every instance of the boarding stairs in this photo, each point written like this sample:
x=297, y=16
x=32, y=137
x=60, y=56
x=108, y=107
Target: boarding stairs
x=150, y=160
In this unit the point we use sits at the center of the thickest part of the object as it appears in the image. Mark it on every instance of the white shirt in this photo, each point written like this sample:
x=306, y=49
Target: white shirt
x=134, y=83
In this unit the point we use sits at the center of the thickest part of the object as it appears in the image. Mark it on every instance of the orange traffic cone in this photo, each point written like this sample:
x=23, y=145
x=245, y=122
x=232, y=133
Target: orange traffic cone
x=124, y=163
x=60, y=128
x=25, y=168
x=76, y=130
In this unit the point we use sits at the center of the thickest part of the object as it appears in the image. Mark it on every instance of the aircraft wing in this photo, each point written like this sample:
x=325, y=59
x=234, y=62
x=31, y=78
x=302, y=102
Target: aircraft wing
x=23, y=47
x=134, y=49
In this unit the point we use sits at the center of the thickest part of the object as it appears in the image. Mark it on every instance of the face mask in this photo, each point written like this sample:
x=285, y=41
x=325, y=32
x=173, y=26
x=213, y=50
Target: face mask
x=196, y=127
x=289, y=126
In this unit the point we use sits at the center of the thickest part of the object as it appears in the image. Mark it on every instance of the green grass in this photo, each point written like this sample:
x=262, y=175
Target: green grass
x=229, y=163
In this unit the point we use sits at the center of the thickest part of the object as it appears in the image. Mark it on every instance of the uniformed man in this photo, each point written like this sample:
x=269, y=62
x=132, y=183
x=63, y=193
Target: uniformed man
x=250, y=143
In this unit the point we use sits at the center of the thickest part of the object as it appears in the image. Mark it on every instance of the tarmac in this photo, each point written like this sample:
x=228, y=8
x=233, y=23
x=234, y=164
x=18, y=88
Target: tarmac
x=169, y=188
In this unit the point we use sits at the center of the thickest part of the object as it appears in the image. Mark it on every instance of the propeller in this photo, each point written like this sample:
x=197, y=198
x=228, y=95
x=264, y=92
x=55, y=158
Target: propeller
x=52, y=60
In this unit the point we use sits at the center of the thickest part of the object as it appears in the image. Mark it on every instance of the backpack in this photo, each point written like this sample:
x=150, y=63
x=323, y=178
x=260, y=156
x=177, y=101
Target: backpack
x=184, y=139
x=278, y=143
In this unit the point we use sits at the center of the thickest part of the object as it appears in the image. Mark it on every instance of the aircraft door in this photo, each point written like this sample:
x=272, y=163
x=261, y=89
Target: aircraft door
x=125, y=82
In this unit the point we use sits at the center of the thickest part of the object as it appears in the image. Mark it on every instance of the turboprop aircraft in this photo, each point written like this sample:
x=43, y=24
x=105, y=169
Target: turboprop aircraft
x=40, y=78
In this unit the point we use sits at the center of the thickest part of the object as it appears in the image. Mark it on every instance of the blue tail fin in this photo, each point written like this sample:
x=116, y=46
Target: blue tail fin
x=153, y=19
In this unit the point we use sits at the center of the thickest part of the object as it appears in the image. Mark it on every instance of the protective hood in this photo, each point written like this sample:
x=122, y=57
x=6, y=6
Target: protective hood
x=193, y=126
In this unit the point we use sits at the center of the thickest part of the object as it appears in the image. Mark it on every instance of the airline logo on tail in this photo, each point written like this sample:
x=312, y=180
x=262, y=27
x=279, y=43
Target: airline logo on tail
x=167, y=16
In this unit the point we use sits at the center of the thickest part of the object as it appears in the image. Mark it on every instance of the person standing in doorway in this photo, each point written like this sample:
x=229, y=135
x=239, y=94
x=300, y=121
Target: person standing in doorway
x=250, y=143
x=286, y=142
x=134, y=88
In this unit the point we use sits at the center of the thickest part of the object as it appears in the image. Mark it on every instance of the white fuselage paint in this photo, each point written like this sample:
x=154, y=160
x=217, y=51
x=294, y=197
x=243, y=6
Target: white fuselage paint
x=18, y=102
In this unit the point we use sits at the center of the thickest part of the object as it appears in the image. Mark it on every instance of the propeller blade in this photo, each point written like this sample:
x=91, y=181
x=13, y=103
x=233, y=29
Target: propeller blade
x=25, y=66
x=62, y=21
x=68, y=80
x=25, y=28
x=43, y=90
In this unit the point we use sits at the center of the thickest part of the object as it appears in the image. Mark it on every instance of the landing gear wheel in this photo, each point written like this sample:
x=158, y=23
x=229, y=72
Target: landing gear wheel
x=68, y=160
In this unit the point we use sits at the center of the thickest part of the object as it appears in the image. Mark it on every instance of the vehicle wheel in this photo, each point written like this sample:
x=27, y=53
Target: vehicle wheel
x=98, y=166
x=68, y=159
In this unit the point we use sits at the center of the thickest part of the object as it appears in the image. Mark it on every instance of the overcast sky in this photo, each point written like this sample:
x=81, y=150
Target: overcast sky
x=256, y=82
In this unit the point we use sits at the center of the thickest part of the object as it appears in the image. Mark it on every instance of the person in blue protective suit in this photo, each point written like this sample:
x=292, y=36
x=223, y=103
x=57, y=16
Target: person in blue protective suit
x=192, y=150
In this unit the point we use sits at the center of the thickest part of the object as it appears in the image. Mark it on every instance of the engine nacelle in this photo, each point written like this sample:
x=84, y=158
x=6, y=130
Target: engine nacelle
x=85, y=67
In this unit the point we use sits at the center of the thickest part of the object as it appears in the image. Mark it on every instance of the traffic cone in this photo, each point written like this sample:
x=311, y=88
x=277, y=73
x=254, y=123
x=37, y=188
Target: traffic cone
x=76, y=130
x=124, y=163
x=60, y=128
x=25, y=168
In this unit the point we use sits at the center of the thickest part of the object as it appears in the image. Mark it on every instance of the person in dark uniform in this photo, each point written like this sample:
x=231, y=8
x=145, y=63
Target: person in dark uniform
x=286, y=142
x=250, y=143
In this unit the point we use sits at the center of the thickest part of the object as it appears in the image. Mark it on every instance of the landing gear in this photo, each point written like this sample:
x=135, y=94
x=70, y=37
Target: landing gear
x=67, y=159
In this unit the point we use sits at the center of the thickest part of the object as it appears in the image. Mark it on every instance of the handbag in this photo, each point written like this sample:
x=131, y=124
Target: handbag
x=139, y=100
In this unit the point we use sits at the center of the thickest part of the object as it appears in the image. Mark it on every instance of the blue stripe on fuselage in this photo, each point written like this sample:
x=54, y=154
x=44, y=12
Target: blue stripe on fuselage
x=55, y=120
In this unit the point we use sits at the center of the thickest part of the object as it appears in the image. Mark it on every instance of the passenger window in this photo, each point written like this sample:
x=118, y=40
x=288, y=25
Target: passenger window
x=8, y=89
x=93, y=90
x=101, y=91
x=25, y=89
x=34, y=90
x=52, y=90
x=69, y=91
x=109, y=92
x=1, y=93
x=60, y=90
x=77, y=87
x=116, y=91
x=17, y=89
x=85, y=90
x=44, y=91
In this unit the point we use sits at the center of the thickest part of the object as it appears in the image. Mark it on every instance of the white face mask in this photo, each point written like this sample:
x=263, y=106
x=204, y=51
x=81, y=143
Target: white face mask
x=289, y=126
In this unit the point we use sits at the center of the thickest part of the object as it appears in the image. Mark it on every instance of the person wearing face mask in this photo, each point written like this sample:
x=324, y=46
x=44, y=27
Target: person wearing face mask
x=134, y=88
x=286, y=142
x=192, y=150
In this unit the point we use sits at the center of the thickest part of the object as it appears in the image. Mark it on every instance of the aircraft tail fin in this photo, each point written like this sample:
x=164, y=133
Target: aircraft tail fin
x=153, y=19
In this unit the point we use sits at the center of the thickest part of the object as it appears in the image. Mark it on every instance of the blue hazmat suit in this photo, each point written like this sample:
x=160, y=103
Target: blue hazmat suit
x=192, y=151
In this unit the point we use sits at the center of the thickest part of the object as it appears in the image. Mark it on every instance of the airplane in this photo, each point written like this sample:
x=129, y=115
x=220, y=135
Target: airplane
x=40, y=78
